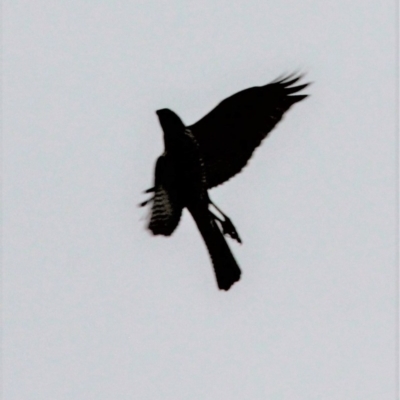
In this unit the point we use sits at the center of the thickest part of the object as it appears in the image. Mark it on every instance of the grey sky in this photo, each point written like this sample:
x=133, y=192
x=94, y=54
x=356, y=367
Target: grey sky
x=96, y=308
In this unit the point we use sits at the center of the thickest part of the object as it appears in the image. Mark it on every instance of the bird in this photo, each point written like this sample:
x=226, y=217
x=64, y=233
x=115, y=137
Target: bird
x=206, y=154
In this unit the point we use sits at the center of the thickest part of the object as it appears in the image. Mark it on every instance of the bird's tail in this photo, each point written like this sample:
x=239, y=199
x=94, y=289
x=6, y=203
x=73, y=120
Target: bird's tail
x=225, y=266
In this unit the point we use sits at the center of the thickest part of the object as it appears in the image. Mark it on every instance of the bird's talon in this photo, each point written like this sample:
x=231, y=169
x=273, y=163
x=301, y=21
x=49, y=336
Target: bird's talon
x=229, y=229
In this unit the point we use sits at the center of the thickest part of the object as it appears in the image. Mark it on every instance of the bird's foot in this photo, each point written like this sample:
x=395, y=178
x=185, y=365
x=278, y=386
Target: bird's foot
x=228, y=229
x=226, y=224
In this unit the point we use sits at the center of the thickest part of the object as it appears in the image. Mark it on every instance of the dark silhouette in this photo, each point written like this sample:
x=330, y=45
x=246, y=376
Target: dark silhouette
x=208, y=153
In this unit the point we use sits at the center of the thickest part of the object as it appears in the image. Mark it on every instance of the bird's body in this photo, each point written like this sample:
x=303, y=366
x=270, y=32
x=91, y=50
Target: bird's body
x=205, y=155
x=180, y=182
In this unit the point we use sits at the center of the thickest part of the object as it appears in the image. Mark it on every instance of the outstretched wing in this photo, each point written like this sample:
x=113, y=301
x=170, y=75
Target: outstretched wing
x=230, y=133
x=166, y=210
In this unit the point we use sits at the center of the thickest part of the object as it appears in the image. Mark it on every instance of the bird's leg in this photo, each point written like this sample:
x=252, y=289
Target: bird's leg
x=227, y=226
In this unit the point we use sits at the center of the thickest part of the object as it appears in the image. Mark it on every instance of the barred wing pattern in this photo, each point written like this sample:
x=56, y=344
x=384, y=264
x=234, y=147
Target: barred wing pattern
x=230, y=133
x=166, y=210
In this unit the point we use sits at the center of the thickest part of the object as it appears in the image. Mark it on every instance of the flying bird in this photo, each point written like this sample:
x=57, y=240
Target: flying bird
x=208, y=153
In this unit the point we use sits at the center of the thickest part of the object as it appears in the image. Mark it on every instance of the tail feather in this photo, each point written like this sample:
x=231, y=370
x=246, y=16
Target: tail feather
x=226, y=269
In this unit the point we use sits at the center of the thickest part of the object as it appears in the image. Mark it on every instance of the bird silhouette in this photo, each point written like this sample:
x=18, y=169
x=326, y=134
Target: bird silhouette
x=208, y=153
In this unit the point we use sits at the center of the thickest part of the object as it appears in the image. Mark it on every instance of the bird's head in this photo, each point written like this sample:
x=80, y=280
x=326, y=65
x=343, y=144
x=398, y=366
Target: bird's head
x=171, y=124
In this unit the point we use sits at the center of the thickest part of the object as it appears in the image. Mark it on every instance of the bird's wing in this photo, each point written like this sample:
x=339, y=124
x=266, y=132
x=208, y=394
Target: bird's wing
x=229, y=134
x=166, y=209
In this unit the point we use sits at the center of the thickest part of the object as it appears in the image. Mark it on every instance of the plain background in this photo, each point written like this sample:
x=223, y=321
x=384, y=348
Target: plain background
x=97, y=308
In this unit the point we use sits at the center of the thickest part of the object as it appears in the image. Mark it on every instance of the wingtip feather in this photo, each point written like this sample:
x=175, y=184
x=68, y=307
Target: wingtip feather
x=287, y=80
x=297, y=98
x=295, y=89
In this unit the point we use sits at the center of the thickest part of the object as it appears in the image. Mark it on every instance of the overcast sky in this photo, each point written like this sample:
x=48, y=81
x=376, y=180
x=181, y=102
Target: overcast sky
x=95, y=308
